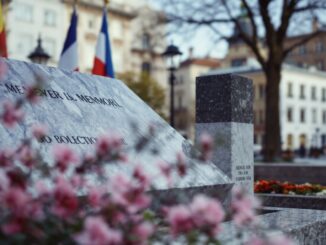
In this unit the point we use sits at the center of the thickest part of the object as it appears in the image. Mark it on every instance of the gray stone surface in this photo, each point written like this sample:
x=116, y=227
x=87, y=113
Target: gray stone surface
x=185, y=195
x=306, y=227
x=293, y=201
x=224, y=98
x=224, y=111
x=75, y=106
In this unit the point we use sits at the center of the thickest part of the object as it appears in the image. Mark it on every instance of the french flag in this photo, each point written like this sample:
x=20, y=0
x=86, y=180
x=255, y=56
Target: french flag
x=69, y=55
x=103, y=61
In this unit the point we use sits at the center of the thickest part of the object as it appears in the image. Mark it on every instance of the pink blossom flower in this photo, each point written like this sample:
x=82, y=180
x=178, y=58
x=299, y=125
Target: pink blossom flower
x=281, y=239
x=16, y=200
x=181, y=164
x=6, y=156
x=108, y=145
x=206, y=143
x=17, y=178
x=180, y=220
x=129, y=194
x=27, y=156
x=143, y=231
x=42, y=188
x=39, y=131
x=63, y=157
x=254, y=240
x=166, y=171
x=97, y=232
x=4, y=181
x=66, y=202
x=32, y=94
x=13, y=227
x=95, y=196
x=77, y=181
x=11, y=114
x=141, y=176
x=244, y=207
x=207, y=213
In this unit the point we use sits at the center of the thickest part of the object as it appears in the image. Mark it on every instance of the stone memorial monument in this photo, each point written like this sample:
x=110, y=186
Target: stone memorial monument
x=77, y=108
x=224, y=109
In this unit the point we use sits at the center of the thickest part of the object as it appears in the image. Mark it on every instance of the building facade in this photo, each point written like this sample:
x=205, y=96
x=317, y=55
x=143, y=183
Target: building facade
x=185, y=92
x=310, y=54
x=302, y=105
x=27, y=20
x=136, y=32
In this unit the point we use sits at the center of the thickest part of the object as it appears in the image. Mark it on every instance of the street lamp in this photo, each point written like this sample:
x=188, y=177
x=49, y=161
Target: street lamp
x=170, y=52
x=39, y=55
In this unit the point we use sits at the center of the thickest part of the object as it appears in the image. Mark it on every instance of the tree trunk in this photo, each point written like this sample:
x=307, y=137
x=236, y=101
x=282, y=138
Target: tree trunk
x=272, y=139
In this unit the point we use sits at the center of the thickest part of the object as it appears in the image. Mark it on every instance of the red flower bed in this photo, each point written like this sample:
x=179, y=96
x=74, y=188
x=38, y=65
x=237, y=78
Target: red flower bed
x=273, y=186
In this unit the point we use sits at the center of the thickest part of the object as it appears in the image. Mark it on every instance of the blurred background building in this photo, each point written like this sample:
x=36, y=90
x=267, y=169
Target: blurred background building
x=185, y=91
x=303, y=88
x=302, y=105
x=137, y=33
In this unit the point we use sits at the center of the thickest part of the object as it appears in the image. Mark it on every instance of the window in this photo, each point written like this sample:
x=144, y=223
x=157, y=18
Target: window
x=319, y=46
x=238, y=62
x=91, y=22
x=24, y=12
x=255, y=117
x=303, y=139
x=302, y=91
x=289, y=141
x=261, y=91
x=313, y=93
x=323, y=94
x=314, y=115
x=302, y=115
x=302, y=49
x=24, y=45
x=146, y=41
x=50, y=18
x=323, y=140
x=324, y=117
x=289, y=114
x=146, y=67
x=290, y=90
x=261, y=117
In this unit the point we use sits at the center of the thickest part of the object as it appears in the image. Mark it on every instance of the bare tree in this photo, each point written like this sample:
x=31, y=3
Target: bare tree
x=271, y=22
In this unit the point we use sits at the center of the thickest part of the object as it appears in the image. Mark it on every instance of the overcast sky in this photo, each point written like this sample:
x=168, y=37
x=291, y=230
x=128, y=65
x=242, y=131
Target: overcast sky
x=201, y=40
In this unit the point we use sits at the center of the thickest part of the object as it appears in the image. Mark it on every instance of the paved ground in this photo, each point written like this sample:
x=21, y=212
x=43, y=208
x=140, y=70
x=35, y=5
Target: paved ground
x=312, y=161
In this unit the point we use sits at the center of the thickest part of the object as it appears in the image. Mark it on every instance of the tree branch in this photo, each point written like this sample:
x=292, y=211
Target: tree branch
x=287, y=13
x=287, y=50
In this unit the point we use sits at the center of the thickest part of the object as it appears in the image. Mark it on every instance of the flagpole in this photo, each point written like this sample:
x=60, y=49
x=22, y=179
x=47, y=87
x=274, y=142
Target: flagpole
x=106, y=3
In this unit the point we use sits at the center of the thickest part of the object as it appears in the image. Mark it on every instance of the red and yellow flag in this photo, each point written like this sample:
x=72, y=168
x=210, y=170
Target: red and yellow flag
x=3, y=41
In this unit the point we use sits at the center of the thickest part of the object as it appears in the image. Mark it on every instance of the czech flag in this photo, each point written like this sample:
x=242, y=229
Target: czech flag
x=103, y=61
x=3, y=41
x=69, y=55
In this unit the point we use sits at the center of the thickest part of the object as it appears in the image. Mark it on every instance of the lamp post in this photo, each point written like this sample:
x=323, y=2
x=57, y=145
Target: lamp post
x=170, y=52
x=39, y=55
